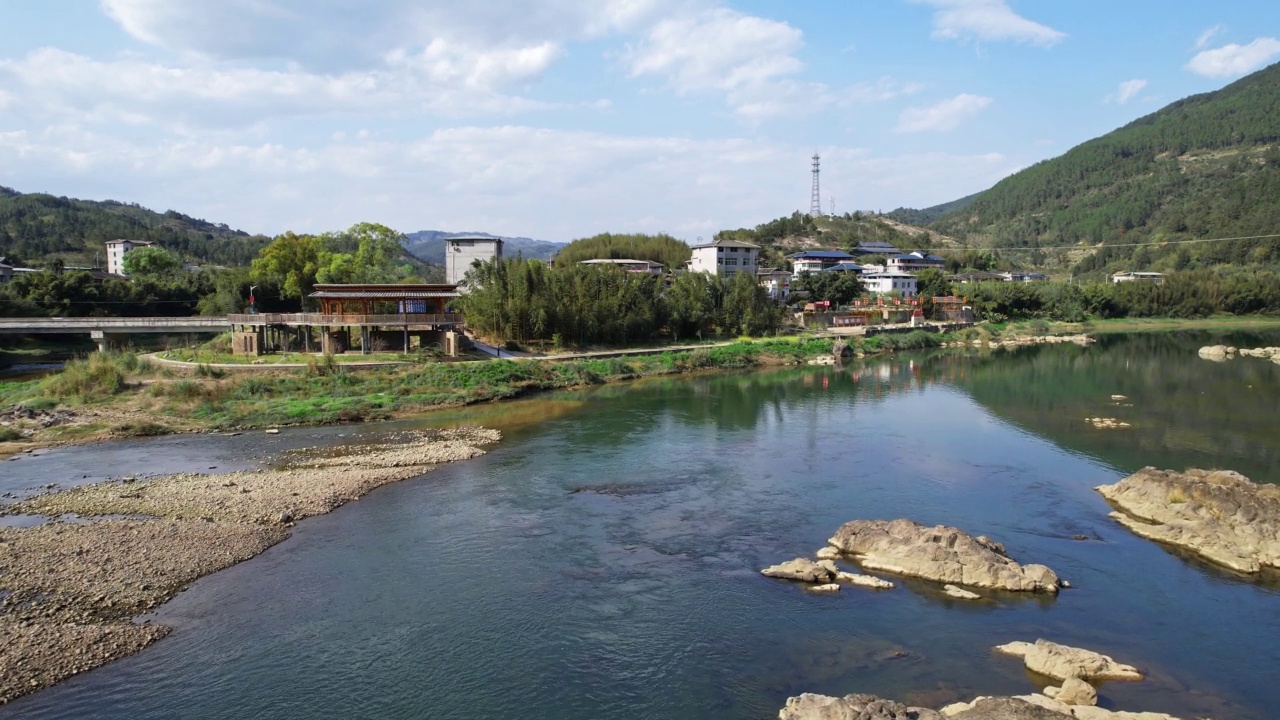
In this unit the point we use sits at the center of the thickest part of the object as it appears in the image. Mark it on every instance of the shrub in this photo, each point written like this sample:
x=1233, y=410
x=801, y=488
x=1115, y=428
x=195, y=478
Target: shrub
x=85, y=380
x=326, y=366
x=208, y=371
x=8, y=434
x=512, y=345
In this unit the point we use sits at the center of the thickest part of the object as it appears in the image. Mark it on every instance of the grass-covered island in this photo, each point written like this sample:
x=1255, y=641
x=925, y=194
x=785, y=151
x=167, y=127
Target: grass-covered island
x=121, y=394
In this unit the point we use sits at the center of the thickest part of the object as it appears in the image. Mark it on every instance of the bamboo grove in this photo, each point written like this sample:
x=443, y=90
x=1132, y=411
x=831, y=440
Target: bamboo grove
x=525, y=300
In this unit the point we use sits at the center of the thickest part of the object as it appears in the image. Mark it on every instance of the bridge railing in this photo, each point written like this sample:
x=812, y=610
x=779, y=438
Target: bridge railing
x=108, y=323
x=392, y=320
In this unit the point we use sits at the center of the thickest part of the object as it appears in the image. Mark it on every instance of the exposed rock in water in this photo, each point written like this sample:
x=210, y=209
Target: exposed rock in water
x=804, y=570
x=960, y=593
x=1023, y=707
x=870, y=581
x=851, y=707
x=1220, y=515
x=1106, y=423
x=1219, y=353
x=941, y=553
x=827, y=553
x=1062, y=661
x=1074, y=691
x=827, y=588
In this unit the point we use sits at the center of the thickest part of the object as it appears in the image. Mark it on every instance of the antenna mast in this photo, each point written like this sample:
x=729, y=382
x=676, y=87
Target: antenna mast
x=815, y=198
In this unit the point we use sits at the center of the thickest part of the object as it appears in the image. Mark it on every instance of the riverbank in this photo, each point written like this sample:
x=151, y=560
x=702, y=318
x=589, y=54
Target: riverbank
x=73, y=588
x=116, y=394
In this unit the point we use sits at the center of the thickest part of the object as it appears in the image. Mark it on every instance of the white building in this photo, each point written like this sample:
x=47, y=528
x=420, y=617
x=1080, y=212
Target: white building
x=116, y=250
x=918, y=260
x=1131, y=276
x=460, y=252
x=816, y=260
x=775, y=282
x=887, y=282
x=627, y=265
x=724, y=257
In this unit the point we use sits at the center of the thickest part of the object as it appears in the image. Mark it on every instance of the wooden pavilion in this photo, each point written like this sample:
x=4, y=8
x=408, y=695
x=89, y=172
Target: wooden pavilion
x=385, y=317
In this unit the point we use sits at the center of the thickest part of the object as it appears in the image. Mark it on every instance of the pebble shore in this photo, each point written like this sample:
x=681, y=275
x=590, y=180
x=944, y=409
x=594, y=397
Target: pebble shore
x=69, y=590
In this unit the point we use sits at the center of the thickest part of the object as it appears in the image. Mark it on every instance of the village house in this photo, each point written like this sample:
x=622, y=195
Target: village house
x=117, y=249
x=1133, y=276
x=913, y=261
x=724, y=257
x=775, y=282
x=460, y=252
x=889, y=282
x=876, y=247
x=816, y=260
x=627, y=265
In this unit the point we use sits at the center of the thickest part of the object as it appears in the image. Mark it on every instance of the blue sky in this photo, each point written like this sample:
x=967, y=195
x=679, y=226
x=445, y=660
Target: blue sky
x=563, y=118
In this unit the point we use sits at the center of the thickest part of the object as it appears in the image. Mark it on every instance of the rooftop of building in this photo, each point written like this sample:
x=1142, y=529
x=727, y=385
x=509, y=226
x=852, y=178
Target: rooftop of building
x=385, y=291
x=820, y=255
x=726, y=244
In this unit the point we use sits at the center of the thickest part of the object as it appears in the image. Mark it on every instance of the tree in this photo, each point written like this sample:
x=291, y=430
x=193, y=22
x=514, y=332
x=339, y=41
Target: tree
x=291, y=261
x=691, y=304
x=153, y=261
x=376, y=258
x=838, y=287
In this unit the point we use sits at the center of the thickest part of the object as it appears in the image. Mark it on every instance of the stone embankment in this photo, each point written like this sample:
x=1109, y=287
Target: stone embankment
x=74, y=587
x=1222, y=353
x=1220, y=515
x=942, y=554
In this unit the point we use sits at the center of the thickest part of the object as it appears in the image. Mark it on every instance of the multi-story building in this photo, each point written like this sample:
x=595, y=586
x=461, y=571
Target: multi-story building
x=117, y=249
x=889, y=282
x=725, y=257
x=816, y=260
x=460, y=252
x=912, y=261
x=775, y=282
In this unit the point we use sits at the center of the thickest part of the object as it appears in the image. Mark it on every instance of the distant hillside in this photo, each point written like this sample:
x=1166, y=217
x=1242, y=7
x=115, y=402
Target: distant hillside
x=36, y=227
x=1207, y=166
x=662, y=248
x=911, y=216
x=428, y=245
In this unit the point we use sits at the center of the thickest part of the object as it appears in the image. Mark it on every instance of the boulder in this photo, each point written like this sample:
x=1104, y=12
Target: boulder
x=1061, y=661
x=827, y=588
x=1220, y=515
x=804, y=570
x=960, y=593
x=940, y=553
x=1004, y=708
x=1217, y=353
x=828, y=553
x=851, y=707
x=870, y=581
x=1074, y=691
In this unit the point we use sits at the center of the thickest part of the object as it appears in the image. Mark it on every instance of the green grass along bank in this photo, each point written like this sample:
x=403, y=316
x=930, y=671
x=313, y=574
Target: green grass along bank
x=115, y=394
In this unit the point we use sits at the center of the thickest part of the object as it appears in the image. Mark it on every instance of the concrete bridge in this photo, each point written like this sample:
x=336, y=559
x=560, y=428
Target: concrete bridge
x=102, y=328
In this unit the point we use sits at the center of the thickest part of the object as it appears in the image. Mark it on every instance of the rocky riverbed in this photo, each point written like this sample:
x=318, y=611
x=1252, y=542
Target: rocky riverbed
x=71, y=589
x=1220, y=515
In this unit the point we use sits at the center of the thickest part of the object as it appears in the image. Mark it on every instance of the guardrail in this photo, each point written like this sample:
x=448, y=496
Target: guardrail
x=112, y=323
x=340, y=320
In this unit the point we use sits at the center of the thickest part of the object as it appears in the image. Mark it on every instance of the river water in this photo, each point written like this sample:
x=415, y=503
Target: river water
x=603, y=561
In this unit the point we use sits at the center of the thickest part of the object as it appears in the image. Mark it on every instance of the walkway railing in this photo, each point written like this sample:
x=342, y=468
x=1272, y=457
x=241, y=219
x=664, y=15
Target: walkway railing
x=122, y=324
x=397, y=320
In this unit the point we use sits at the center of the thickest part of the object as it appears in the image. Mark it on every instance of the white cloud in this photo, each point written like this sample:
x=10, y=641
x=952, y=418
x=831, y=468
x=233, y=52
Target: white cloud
x=882, y=90
x=987, y=20
x=721, y=50
x=518, y=180
x=943, y=116
x=335, y=35
x=445, y=81
x=1234, y=59
x=1206, y=37
x=1128, y=90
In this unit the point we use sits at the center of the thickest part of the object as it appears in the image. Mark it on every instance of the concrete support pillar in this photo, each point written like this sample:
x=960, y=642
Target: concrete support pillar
x=364, y=340
x=101, y=337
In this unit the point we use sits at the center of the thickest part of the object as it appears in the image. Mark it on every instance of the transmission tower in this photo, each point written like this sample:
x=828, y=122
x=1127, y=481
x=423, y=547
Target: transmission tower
x=815, y=199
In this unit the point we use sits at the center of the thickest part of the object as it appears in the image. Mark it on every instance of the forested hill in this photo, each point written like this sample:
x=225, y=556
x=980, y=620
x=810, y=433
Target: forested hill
x=429, y=245
x=912, y=216
x=1206, y=166
x=36, y=228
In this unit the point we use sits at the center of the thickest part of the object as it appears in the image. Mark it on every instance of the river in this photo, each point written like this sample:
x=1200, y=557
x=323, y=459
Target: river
x=603, y=561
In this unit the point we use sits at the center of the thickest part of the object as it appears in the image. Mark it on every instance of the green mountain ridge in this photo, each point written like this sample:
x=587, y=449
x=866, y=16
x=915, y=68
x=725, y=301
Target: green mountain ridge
x=1206, y=166
x=37, y=227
